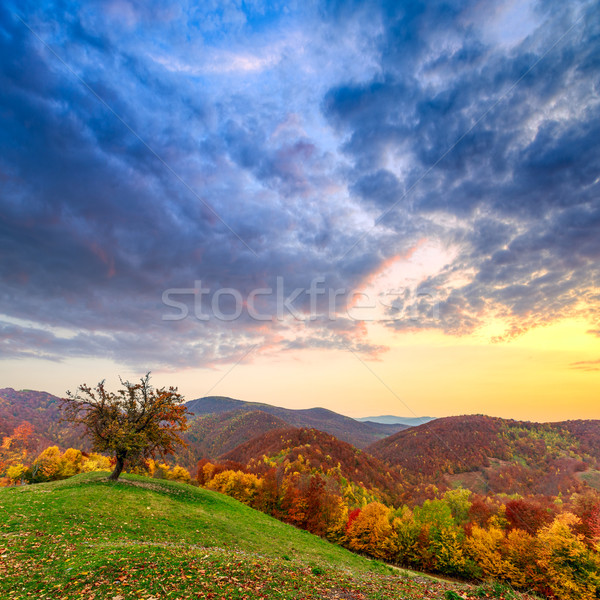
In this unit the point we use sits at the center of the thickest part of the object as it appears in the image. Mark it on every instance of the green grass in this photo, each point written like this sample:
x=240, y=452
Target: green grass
x=139, y=538
x=591, y=477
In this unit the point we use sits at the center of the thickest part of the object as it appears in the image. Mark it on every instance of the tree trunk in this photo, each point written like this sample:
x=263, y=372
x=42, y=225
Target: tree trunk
x=118, y=468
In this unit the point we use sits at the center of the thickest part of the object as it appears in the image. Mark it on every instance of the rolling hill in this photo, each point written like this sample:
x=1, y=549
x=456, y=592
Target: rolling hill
x=489, y=454
x=394, y=420
x=313, y=450
x=485, y=454
x=344, y=428
x=42, y=411
x=213, y=435
x=85, y=537
x=231, y=423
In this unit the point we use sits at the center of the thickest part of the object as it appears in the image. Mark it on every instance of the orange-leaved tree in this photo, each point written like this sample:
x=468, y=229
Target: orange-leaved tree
x=136, y=422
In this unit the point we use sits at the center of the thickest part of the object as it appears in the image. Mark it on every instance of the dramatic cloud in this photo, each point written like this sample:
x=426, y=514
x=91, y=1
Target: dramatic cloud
x=146, y=147
x=497, y=150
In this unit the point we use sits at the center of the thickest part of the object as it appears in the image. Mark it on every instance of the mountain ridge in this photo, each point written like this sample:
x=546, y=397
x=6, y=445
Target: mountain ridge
x=343, y=427
x=495, y=455
x=215, y=434
x=395, y=420
x=42, y=410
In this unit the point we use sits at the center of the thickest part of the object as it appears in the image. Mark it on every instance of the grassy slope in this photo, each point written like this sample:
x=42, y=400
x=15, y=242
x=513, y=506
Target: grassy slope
x=144, y=538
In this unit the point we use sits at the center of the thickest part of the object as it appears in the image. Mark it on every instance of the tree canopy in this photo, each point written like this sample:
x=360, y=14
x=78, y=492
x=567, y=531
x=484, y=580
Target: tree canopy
x=136, y=422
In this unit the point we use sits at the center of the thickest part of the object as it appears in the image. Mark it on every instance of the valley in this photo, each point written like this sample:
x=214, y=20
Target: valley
x=468, y=497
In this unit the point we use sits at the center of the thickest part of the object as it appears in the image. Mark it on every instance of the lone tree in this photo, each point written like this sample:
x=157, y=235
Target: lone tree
x=136, y=422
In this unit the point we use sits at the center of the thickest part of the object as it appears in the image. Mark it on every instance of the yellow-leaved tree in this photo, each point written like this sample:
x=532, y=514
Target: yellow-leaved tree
x=571, y=570
x=371, y=531
x=484, y=547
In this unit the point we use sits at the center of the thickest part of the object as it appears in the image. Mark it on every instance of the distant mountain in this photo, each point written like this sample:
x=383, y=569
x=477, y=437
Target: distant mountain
x=344, y=428
x=309, y=450
x=208, y=436
x=215, y=405
x=393, y=420
x=490, y=454
x=42, y=411
x=231, y=423
x=386, y=428
x=212, y=435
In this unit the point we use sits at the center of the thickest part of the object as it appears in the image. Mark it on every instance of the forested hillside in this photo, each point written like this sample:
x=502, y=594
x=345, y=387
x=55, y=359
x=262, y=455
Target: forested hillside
x=473, y=497
x=309, y=450
x=495, y=455
x=40, y=413
x=344, y=428
x=213, y=435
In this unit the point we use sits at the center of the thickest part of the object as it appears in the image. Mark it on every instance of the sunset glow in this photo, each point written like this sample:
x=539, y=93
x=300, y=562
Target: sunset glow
x=378, y=209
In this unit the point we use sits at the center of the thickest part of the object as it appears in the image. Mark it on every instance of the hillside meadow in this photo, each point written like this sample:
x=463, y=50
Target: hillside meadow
x=85, y=537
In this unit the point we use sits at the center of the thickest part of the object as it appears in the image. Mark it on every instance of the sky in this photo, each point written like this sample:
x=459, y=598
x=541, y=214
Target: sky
x=375, y=207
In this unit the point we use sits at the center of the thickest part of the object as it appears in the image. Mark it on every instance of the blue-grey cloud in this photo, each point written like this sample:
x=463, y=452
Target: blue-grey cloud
x=303, y=128
x=499, y=143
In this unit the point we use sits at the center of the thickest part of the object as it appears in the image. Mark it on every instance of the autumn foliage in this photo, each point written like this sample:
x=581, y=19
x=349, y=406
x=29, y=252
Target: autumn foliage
x=136, y=422
x=306, y=480
x=529, y=521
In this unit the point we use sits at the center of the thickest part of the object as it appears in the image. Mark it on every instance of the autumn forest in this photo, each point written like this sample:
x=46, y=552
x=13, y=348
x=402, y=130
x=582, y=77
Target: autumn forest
x=470, y=497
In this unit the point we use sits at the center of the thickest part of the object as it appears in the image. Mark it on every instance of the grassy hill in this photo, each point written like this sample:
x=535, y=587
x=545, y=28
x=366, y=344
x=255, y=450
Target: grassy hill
x=145, y=538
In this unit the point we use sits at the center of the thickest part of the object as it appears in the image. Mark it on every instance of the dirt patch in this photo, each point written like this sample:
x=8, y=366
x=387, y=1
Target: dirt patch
x=342, y=595
x=473, y=480
x=155, y=487
x=591, y=477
